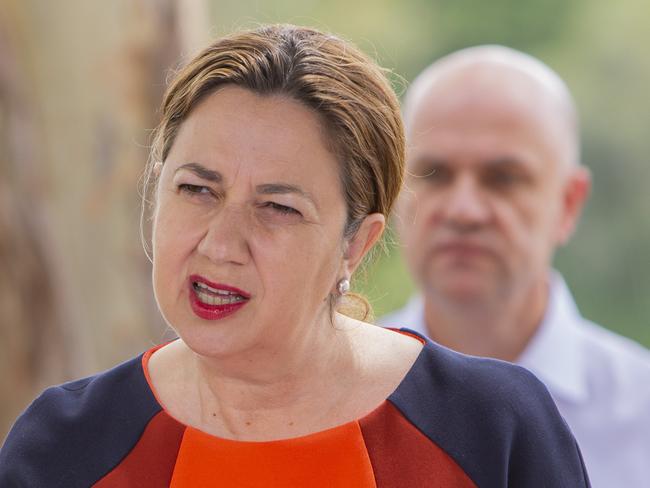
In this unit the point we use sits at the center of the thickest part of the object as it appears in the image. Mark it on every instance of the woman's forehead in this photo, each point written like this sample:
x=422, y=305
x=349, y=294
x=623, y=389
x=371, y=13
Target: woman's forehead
x=238, y=125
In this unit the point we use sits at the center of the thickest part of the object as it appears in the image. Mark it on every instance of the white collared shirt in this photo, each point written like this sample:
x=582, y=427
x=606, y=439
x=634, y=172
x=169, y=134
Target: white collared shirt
x=600, y=382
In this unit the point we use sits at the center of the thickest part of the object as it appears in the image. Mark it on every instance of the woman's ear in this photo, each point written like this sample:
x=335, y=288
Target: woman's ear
x=362, y=241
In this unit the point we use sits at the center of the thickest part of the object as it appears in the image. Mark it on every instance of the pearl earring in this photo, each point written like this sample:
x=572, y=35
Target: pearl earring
x=343, y=286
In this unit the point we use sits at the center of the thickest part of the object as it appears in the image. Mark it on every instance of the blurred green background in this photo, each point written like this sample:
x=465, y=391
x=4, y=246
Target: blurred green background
x=600, y=50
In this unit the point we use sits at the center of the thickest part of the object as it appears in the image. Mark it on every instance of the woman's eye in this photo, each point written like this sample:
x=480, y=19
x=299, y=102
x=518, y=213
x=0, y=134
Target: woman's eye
x=282, y=209
x=194, y=189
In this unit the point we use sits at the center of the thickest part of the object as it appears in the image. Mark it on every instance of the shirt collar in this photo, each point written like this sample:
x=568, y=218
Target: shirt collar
x=554, y=353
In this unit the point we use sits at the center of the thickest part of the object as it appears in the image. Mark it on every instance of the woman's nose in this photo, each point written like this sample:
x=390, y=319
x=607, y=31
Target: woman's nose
x=226, y=237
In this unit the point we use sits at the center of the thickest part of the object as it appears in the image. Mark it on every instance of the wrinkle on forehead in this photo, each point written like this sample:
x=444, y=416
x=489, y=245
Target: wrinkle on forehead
x=492, y=79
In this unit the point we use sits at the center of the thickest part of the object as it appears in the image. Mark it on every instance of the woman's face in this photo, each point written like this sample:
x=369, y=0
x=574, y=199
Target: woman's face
x=248, y=229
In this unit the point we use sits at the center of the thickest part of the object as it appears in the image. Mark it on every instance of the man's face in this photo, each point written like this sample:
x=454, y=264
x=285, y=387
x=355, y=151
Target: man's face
x=486, y=205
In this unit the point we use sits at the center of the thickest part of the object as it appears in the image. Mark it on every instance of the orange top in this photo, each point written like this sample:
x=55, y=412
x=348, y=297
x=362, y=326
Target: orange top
x=205, y=460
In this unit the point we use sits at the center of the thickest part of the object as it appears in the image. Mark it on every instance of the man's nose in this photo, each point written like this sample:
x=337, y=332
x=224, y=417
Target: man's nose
x=466, y=206
x=226, y=239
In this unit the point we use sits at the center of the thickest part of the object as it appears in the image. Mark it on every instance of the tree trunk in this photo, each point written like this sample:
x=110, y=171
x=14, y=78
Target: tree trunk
x=80, y=83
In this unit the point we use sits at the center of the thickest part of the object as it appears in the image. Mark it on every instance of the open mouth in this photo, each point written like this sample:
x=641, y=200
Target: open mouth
x=215, y=296
x=214, y=301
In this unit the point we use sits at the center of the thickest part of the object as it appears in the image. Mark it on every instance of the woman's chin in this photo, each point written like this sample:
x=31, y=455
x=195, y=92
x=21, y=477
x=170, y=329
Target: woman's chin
x=216, y=339
x=212, y=345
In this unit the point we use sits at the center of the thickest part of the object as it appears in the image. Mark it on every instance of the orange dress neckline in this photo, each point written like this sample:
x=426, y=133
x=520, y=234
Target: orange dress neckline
x=207, y=460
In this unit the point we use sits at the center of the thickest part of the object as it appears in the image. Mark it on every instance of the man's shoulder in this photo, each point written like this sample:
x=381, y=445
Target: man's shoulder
x=616, y=365
x=74, y=428
x=616, y=349
x=600, y=346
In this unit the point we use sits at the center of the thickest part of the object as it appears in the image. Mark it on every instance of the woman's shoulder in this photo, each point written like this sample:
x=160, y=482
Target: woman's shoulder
x=484, y=380
x=87, y=400
x=447, y=382
x=493, y=417
x=78, y=426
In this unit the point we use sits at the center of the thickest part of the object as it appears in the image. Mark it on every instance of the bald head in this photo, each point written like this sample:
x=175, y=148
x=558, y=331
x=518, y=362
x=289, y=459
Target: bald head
x=496, y=79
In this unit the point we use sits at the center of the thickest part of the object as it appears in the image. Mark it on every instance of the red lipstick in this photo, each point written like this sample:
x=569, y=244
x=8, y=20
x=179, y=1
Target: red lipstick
x=214, y=301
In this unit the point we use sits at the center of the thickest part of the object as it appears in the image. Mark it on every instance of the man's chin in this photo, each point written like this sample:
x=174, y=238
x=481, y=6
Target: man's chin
x=465, y=293
x=463, y=288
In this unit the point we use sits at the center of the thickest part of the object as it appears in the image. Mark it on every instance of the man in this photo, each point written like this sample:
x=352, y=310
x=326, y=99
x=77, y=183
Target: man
x=495, y=185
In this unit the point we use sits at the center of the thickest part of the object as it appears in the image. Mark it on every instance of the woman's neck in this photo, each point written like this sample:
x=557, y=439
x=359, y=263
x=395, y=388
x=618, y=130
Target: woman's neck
x=304, y=387
x=275, y=387
x=276, y=374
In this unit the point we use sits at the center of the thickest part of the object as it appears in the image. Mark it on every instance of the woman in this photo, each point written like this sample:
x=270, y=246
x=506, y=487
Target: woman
x=279, y=154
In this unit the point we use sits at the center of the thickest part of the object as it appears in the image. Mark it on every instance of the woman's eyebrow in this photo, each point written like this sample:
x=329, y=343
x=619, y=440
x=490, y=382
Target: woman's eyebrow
x=202, y=172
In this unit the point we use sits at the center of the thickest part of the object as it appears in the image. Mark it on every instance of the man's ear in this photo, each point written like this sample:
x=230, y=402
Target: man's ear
x=576, y=191
x=362, y=241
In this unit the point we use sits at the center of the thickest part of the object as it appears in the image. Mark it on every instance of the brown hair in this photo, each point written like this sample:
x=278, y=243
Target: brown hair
x=348, y=91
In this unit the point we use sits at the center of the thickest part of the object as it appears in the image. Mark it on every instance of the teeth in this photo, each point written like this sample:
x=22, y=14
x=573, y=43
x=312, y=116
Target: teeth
x=202, y=286
x=212, y=296
x=209, y=299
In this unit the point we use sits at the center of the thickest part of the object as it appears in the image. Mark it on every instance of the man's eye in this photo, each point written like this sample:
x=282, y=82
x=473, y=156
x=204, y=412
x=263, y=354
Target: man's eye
x=282, y=209
x=504, y=179
x=194, y=189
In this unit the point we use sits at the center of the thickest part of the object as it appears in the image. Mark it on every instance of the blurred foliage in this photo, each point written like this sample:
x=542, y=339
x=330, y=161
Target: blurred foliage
x=598, y=47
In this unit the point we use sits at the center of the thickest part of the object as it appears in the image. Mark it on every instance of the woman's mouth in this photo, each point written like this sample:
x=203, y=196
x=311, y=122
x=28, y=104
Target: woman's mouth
x=213, y=296
x=212, y=301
